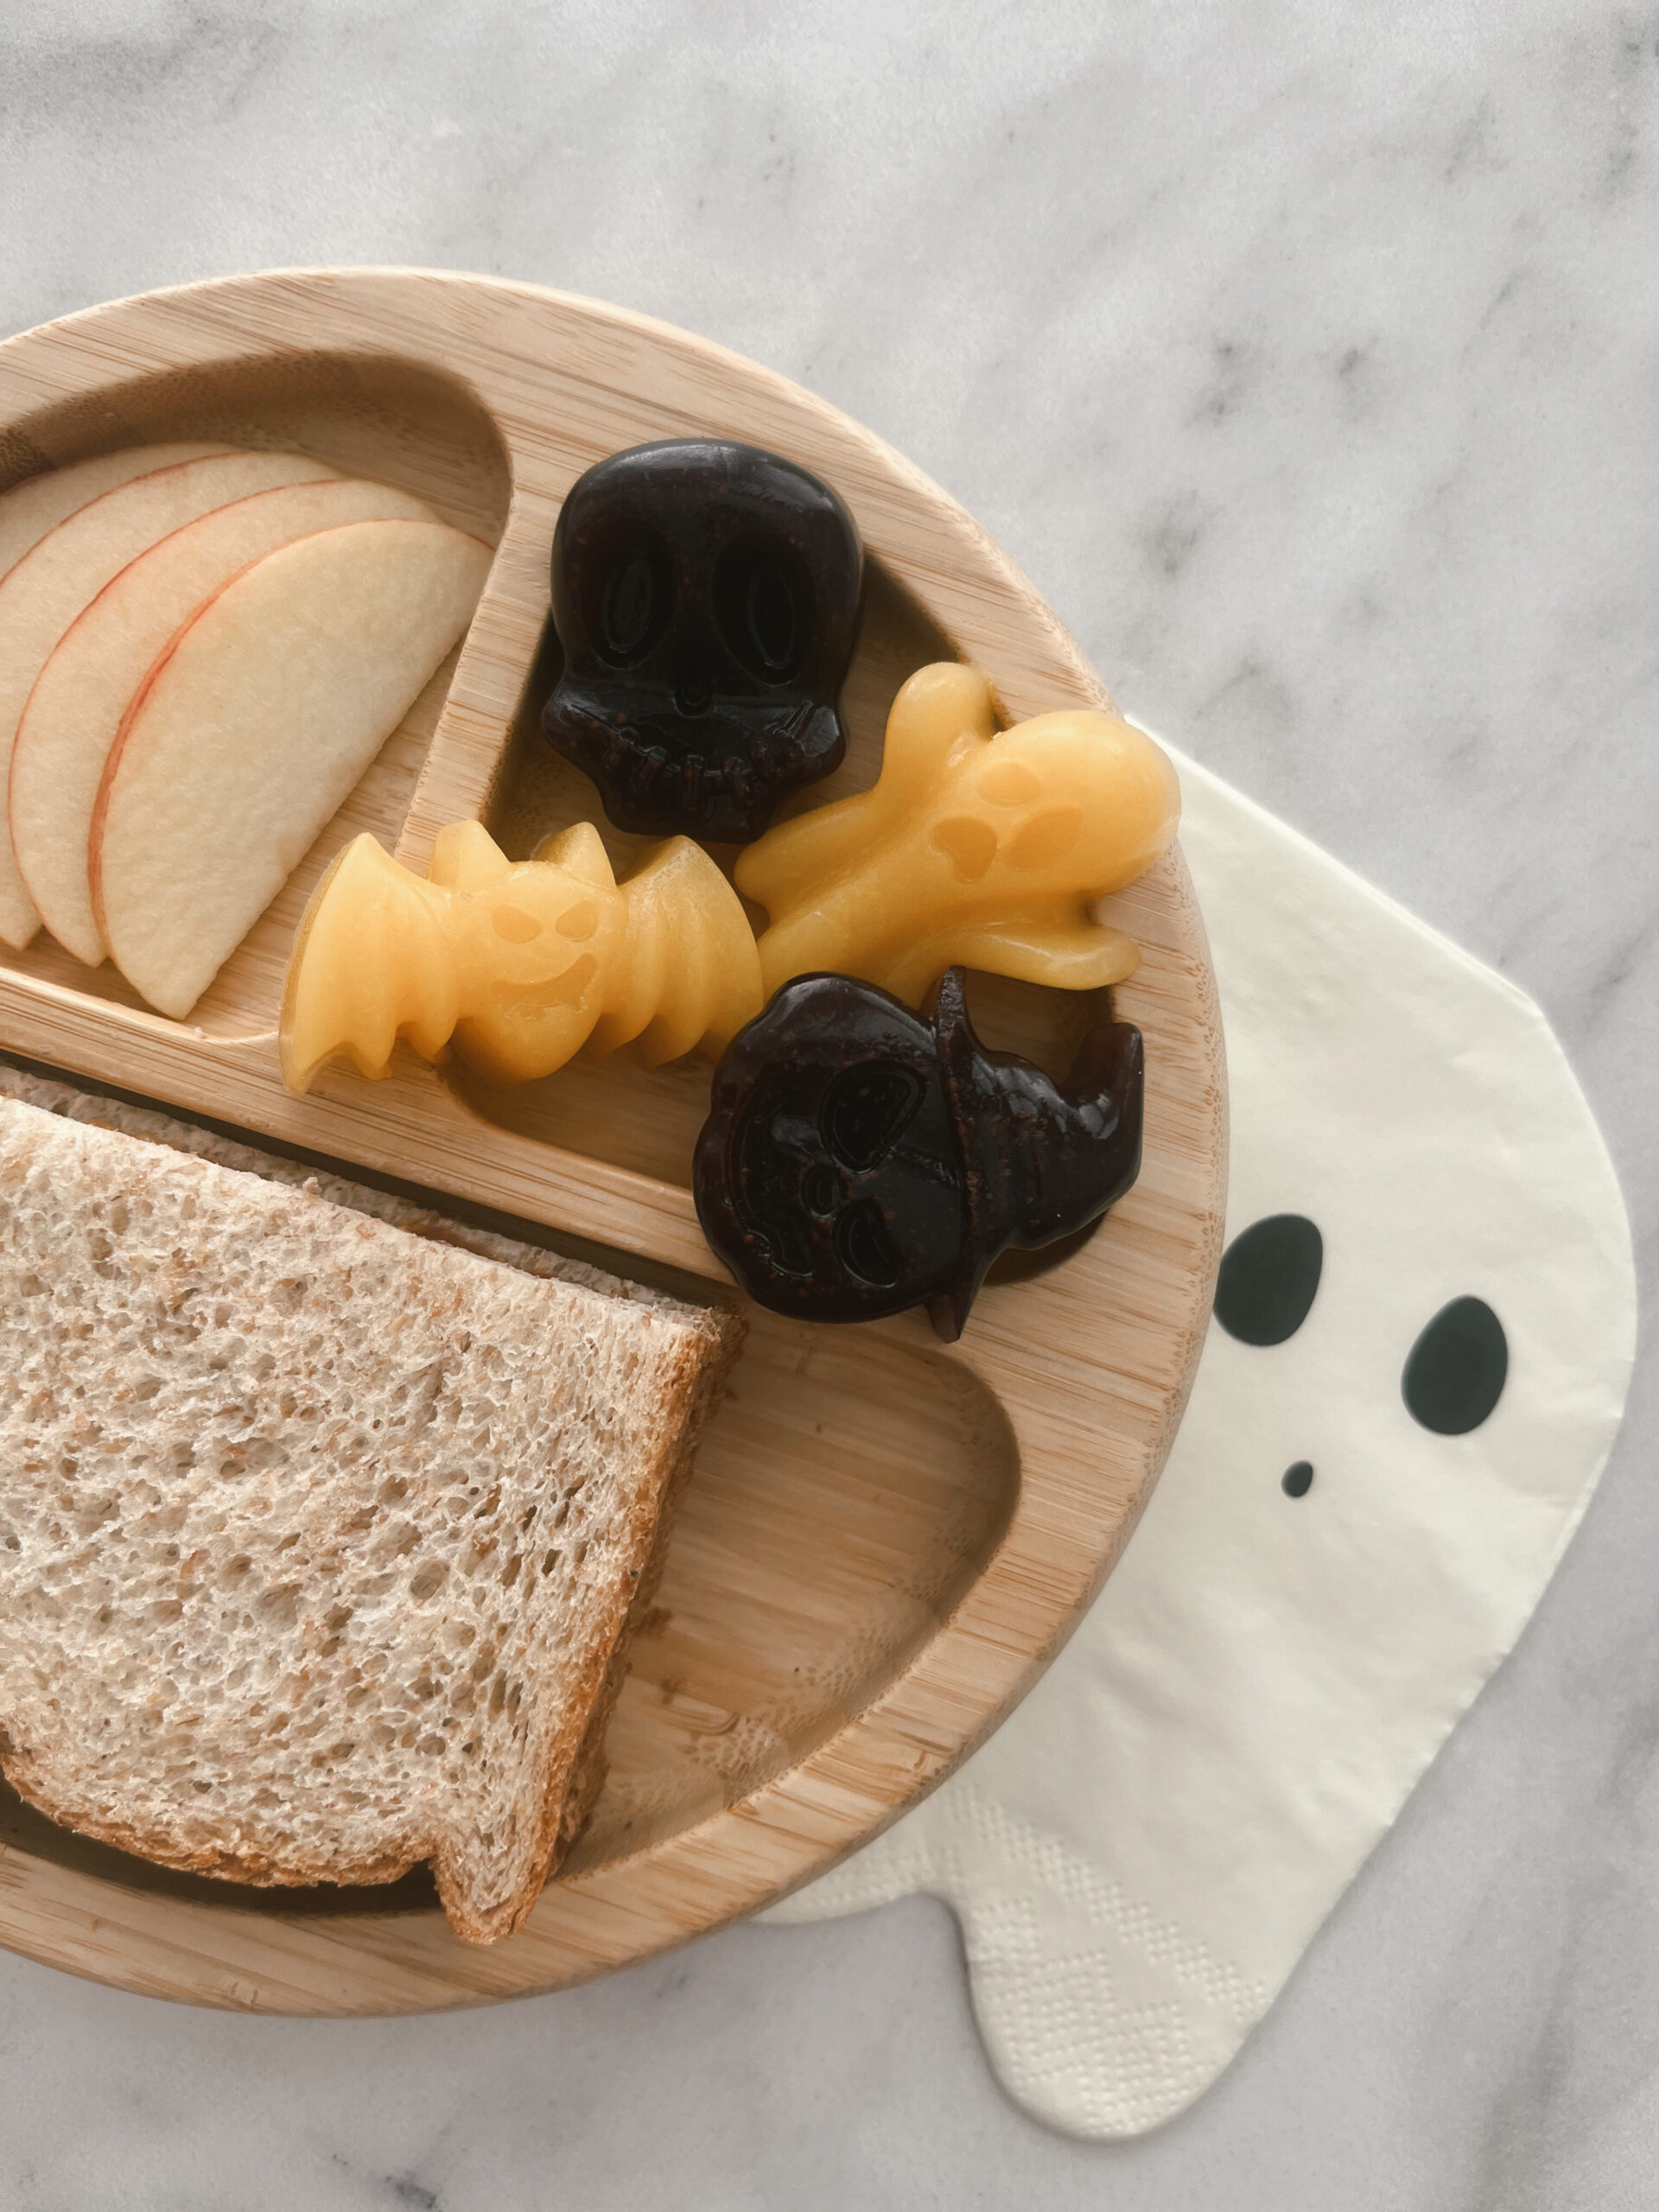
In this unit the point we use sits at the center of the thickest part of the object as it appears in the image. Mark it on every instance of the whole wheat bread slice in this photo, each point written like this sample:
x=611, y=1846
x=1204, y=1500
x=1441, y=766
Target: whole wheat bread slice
x=322, y=1519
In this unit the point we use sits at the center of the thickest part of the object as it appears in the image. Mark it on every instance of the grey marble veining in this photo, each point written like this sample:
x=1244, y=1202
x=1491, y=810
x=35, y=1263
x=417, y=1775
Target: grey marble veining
x=1307, y=358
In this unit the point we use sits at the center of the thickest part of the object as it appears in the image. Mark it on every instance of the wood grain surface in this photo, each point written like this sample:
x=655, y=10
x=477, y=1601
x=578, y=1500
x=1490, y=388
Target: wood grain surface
x=885, y=1539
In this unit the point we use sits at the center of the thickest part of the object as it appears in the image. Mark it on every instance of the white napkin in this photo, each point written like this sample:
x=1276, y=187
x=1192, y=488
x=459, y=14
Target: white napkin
x=1142, y=1854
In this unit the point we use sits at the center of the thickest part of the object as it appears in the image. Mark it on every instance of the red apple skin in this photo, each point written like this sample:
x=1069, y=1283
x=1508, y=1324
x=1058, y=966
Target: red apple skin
x=130, y=732
x=267, y=507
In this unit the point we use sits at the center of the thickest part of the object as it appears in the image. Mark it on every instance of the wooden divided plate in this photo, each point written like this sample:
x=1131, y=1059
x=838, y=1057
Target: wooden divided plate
x=885, y=1539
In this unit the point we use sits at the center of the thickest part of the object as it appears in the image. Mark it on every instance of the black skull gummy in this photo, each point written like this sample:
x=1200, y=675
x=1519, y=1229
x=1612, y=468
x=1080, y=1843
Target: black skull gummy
x=859, y=1158
x=706, y=597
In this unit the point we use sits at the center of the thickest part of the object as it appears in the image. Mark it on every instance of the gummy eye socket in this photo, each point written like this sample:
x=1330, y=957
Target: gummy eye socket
x=760, y=603
x=767, y=1193
x=866, y=1111
x=630, y=603
x=1457, y=1369
x=864, y=1247
x=820, y=1191
x=769, y=618
x=633, y=601
x=1269, y=1274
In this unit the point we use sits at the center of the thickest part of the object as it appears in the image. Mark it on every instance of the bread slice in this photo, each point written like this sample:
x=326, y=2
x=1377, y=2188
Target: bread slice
x=322, y=1519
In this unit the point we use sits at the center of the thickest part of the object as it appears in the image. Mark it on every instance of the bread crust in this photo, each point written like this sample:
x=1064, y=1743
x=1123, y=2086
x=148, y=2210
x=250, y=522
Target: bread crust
x=670, y=1362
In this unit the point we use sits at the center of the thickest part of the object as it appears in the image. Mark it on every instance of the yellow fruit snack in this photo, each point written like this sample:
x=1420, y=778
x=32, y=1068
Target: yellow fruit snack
x=974, y=848
x=522, y=963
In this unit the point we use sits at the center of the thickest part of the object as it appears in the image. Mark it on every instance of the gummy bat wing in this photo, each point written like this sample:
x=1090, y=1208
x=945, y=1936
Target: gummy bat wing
x=716, y=966
x=635, y=979
x=371, y=963
x=690, y=974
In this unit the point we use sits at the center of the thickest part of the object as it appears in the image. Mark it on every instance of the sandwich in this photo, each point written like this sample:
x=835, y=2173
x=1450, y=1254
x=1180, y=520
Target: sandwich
x=325, y=1520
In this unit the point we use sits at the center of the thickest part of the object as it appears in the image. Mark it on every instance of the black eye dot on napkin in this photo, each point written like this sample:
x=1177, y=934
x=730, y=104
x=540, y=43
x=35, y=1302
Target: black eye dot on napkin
x=1457, y=1369
x=1269, y=1273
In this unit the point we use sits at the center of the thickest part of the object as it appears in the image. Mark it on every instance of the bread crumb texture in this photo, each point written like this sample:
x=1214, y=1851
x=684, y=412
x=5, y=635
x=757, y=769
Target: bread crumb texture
x=316, y=1535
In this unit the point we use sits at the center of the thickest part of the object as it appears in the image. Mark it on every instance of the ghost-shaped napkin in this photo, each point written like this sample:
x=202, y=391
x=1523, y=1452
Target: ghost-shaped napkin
x=1424, y=1332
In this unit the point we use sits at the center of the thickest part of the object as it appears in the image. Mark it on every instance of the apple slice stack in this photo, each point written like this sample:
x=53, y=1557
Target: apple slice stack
x=201, y=652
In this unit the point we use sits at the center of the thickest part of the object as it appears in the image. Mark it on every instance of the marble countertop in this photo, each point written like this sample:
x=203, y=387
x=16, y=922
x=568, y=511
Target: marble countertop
x=1306, y=356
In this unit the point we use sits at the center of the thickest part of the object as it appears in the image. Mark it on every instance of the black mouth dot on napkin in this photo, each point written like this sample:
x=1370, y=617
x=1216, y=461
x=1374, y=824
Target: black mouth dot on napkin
x=1457, y=1369
x=1269, y=1273
x=1297, y=1479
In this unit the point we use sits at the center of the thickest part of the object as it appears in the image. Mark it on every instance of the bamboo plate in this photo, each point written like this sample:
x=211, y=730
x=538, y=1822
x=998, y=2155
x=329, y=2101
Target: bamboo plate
x=886, y=1540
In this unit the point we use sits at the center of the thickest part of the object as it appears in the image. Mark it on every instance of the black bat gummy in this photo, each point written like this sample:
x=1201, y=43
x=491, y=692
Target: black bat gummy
x=859, y=1158
x=706, y=595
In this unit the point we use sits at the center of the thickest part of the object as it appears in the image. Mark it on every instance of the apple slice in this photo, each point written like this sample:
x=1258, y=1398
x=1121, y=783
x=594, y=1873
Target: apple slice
x=40, y=596
x=252, y=728
x=29, y=511
x=80, y=695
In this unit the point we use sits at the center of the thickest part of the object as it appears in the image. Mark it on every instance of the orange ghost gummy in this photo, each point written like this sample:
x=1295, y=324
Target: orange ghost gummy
x=522, y=963
x=975, y=848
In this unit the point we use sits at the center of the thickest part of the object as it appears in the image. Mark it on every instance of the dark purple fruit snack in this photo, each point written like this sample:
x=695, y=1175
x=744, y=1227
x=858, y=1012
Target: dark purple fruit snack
x=706, y=595
x=860, y=1158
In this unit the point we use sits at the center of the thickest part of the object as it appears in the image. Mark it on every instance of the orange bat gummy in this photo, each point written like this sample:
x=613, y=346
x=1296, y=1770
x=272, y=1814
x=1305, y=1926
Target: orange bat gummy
x=974, y=848
x=522, y=963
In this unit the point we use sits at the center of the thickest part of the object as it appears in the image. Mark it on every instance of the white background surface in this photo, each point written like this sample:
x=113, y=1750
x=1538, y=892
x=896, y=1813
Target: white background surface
x=1307, y=358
